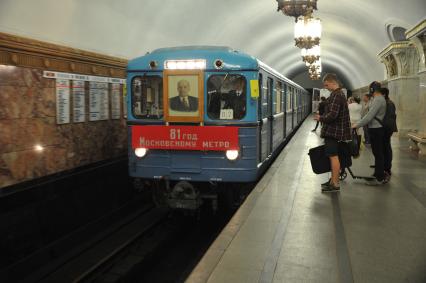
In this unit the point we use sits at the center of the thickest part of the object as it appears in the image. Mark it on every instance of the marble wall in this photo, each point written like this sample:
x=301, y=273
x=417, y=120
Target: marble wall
x=28, y=118
x=404, y=92
x=422, y=102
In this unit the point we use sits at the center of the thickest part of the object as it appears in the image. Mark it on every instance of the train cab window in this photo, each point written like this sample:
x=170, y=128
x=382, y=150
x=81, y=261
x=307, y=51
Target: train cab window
x=147, y=97
x=226, y=97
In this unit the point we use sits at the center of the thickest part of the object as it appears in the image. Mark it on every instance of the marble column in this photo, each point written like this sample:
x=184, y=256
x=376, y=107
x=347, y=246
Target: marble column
x=417, y=35
x=402, y=64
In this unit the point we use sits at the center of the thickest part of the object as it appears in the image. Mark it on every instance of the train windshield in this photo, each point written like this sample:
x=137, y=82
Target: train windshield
x=147, y=97
x=226, y=97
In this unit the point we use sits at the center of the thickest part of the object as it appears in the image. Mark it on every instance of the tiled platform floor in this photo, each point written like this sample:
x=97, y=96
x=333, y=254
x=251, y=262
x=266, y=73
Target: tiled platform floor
x=288, y=231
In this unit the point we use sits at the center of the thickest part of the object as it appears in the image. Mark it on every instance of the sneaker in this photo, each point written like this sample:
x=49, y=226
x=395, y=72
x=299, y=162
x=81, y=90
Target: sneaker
x=387, y=178
x=372, y=166
x=374, y=182
x=313, y=130
x=326, y=184
x=330, y=188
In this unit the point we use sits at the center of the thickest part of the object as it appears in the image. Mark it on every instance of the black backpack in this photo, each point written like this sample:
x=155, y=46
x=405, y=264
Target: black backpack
x=389, y=121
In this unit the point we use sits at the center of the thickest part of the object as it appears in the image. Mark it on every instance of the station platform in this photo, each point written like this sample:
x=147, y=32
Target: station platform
x=287, y=230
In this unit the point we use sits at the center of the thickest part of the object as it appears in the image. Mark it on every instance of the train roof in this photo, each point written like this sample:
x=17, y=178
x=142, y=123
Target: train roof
x=232, y=59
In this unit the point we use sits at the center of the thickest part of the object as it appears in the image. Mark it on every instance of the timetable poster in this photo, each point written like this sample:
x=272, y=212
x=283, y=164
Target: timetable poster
x=115, y=101
x=99, y=103
x=124, y=101
x=79, y=109
x=62, y=101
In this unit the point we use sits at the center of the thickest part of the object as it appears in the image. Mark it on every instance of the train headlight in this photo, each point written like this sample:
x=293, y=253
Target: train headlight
x=140, y=151
x=232, y=154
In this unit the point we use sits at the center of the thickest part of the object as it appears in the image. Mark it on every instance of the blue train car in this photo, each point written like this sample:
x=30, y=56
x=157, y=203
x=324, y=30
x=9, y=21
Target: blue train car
x=200, y=116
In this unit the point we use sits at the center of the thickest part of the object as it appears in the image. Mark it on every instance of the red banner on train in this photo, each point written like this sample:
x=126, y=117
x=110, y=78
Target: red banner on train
x=185, y=137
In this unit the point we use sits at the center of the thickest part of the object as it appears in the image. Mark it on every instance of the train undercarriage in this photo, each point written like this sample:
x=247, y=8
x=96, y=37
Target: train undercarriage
x=185, y=195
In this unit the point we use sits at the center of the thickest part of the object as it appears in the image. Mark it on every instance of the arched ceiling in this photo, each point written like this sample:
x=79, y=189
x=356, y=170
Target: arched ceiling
x=354, y=32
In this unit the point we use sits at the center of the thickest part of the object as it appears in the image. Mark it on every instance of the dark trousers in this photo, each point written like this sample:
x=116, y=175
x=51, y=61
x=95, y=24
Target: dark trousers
x=377, y=140
x=387, y=152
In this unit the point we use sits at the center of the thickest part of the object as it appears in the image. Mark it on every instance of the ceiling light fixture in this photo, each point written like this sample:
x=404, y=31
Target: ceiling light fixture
x=297, y=8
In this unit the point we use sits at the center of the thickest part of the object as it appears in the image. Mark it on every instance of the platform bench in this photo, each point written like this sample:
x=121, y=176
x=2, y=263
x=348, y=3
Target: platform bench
x=419, y=140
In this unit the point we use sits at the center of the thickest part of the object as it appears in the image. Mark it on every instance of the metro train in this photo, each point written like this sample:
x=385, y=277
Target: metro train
x=205, y=120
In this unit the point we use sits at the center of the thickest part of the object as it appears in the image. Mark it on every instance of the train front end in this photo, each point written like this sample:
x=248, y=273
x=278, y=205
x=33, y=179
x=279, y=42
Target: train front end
x=192, y=122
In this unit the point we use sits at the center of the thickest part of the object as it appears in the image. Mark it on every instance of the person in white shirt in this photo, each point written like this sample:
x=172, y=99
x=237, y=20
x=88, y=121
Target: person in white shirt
x=355, y=112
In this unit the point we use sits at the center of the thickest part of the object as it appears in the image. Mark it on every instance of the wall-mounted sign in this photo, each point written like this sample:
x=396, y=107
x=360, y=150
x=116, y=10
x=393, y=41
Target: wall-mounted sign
x=62, y=101
x=115, y=101
x=124, y=101
x=78, y=98
x=78, y=77
x=98, y=101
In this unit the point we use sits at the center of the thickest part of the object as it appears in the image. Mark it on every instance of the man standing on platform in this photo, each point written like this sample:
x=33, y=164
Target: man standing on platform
x=336, y=128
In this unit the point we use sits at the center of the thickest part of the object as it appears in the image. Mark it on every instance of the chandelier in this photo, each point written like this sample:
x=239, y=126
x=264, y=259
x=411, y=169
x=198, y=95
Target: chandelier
x=311, y=55
x=297, y=8
x=314, y=76
x=315, y=67
x=307, y=32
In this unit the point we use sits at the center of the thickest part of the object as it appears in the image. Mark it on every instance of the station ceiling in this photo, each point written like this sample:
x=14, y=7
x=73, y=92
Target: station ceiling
x=354, y=32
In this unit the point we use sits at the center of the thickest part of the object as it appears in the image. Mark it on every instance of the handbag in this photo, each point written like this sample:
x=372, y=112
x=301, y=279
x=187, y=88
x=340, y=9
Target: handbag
x=319, y=161
x=354, y=144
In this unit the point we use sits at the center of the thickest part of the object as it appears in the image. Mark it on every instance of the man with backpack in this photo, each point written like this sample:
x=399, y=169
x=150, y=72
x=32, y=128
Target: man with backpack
x=373, y=118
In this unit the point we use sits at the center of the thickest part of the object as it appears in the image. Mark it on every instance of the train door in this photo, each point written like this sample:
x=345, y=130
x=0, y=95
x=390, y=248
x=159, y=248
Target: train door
x=261, y=134
x=278, y=114
x=284, y=98
x=270, y=98
x=264, y=122
x=299, y=108
x=289, y=111
x=293, y=108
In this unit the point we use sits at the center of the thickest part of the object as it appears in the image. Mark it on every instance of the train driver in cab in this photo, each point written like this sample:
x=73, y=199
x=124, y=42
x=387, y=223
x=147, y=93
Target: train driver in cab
x=233, y=98
x=237, y=99
x=184, y=101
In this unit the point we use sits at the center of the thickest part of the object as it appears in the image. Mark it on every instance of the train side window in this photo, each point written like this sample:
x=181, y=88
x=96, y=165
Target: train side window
x=289, y=98
x=226, y=97
x=278, y=99
x=147, y=97
x=265, y=98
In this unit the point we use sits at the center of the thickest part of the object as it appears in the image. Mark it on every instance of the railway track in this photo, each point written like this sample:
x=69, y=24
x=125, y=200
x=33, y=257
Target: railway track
x=98, y=259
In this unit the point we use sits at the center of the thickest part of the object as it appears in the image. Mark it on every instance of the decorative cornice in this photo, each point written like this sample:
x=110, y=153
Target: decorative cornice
x=26, y=52
x=394, y=46
x=416, y=30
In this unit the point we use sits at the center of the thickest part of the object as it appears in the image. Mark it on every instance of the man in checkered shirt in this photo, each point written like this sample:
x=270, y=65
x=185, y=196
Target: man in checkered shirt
x=336, y=128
